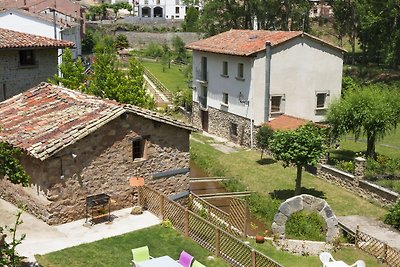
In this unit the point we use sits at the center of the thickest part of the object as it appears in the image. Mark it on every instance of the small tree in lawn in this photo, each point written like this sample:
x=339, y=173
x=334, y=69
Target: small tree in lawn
x=373, y=111
x=263, y=137
x=299, y=148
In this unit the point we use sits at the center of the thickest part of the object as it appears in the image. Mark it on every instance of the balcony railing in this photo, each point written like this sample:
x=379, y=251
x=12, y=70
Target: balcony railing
x=201, y=75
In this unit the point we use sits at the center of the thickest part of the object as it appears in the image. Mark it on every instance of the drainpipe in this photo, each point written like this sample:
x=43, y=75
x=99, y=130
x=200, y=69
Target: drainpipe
x=267, y=79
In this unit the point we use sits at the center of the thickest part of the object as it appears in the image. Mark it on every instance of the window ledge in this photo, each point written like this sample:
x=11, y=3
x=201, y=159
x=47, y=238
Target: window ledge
x=224, y=105
x=224, y=76
x=277, y=112
x=323, y=108
x=240, y=78
x=28, y=66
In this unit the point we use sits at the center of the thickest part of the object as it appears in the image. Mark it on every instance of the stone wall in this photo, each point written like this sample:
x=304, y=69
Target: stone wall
x=142, y=39
x=219, y=123
x=15, y=79
x=102, y=163
x=356, y=184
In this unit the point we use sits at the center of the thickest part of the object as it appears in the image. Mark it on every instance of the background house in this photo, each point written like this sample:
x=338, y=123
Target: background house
x=26, y=60
x=76, y=145
x=168, y=9
x=243, y=78
x=42, y=25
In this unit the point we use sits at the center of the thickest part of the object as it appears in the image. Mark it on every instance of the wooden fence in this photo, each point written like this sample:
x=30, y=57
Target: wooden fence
x=208, y=235
x=382, y=251
x=158, y=84
x=377, y=248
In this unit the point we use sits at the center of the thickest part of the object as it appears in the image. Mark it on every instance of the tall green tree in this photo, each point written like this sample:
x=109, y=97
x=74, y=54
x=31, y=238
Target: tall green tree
x=263, y=136
x=72, y=72
x=301, y=147
x=110, y=82
x=179, y=49
x=191, y=20
x=372, y=111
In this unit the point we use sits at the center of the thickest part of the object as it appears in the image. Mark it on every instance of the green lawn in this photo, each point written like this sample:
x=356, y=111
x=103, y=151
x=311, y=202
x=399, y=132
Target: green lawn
x=116, y=251
x=173, y=78
x=270, y=178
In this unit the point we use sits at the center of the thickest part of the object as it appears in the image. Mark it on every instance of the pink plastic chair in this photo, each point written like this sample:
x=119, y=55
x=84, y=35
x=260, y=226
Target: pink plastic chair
x=185, y=259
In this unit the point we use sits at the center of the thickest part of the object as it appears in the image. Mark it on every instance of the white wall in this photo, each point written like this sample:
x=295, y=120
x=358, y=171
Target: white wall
x=218, y=84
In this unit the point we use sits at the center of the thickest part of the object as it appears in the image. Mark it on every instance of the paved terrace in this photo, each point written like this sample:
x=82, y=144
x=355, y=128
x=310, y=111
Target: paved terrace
x=42, y=238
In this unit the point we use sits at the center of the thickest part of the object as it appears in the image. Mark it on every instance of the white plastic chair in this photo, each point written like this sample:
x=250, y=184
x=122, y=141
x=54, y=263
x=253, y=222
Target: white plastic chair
x=325, y=257
x=359, y=263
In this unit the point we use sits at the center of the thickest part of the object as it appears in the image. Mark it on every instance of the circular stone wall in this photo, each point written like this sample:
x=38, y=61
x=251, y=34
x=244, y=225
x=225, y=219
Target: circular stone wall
x=305, y=202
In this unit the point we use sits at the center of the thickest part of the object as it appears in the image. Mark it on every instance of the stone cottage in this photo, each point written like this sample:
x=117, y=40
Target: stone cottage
x=76, y=145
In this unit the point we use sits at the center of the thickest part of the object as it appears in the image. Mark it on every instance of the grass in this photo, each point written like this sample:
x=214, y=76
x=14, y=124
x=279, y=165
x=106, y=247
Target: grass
x=271, y=179
x=173, y=78
x=346, y=254
x=116, y=251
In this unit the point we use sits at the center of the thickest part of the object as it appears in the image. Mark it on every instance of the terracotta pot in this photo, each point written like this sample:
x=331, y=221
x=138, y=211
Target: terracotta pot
x=260, y=239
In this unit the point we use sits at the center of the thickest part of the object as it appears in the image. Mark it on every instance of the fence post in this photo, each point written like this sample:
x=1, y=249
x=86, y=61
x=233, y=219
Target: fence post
x=357, y=235
x=217, y=242
x=162, y=206
x=253, y=258
x=186, y=222
x=385, y=248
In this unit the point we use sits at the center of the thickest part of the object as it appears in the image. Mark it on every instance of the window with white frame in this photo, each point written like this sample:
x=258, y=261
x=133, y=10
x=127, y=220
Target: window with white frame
x=240, y=73
x=225, y=68
x=225, y=98
x=322, y=100
x=277, y=103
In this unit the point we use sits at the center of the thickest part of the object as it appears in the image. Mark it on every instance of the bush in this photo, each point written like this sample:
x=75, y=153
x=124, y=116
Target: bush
x=183, y=98
x=393, y=216
x=153, y=50
x=347, y=166
x=306, y=225
x=121, y=41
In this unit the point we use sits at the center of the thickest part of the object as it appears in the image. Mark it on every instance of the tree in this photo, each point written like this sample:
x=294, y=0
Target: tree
x=121, y=41
x=299, y=148
x=88, y=43
x=179, y=48
x=111, y=82
x=72, y=73
x=191, y=20
x=11, y=166
x=373, y=111
x=263, y=136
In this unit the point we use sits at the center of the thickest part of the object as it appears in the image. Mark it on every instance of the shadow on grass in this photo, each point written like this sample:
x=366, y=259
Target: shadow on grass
x=266, y=161
x=288, y=193
x=343, y=154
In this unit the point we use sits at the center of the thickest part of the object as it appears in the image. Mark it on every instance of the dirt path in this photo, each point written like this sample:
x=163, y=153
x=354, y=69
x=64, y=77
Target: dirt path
x=374, y=228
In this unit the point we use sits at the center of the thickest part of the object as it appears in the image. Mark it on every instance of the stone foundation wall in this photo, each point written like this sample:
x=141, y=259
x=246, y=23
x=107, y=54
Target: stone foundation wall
x=102, y=163
x=219, y=123
x=354, y=183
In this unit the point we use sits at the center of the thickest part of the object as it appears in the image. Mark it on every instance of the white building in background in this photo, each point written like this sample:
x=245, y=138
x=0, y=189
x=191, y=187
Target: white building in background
x=245, y=78
x=42, y=25
x=168, y=9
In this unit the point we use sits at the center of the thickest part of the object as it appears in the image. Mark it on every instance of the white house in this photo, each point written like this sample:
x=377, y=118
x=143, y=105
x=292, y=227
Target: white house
x=26, y=60
x=168, y=9
x=32, y=23
x=244, y=78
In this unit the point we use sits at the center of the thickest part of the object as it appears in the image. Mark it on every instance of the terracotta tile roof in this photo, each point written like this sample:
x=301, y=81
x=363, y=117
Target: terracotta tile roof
x=13, y=39
x=247, y=42
x=286, y=122
x=148, y=114
x=48, y=18
x=65, y=6
x=47, y=118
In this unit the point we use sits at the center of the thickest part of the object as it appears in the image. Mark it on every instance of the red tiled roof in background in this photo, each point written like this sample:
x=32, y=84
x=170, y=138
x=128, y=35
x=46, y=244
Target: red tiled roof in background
x=247, y=42
x=286, y=122
x=13, y=39
x=65, y=6
x=47, y=118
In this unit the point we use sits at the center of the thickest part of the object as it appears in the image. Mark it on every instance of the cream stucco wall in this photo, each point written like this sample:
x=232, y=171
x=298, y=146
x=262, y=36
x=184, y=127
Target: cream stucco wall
x=299, y=69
